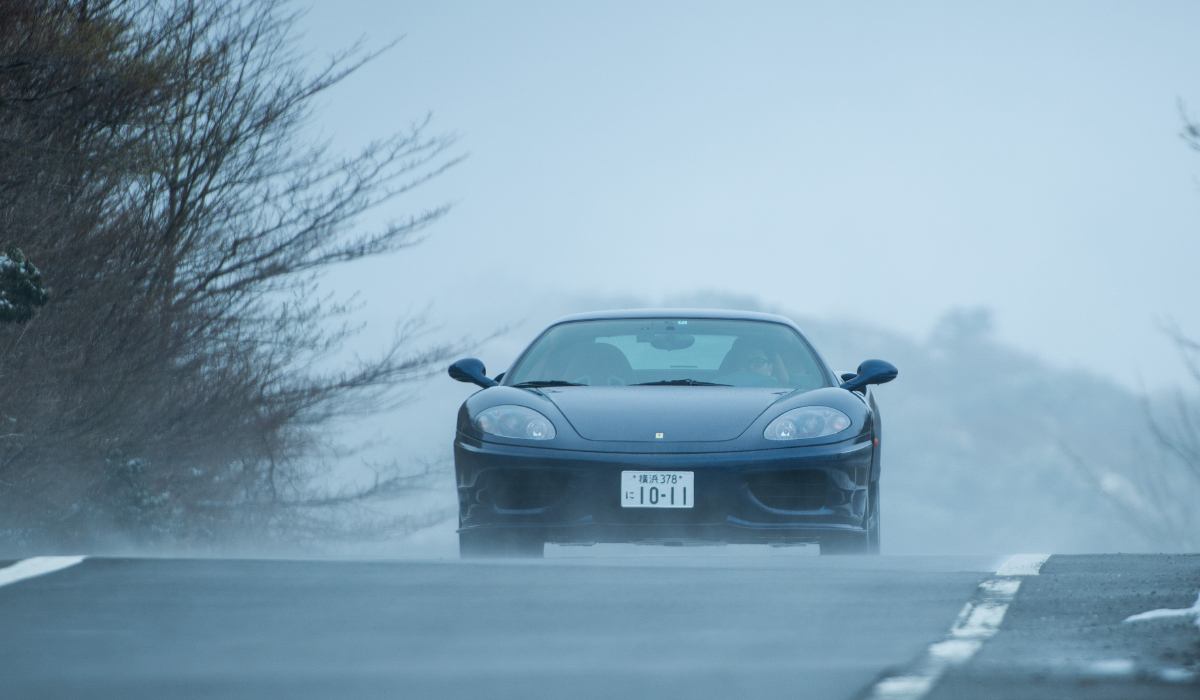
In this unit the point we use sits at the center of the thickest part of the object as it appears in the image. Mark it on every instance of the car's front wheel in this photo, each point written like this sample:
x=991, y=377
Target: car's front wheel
x=474, y=544
x=844, y=543
x=864, y=542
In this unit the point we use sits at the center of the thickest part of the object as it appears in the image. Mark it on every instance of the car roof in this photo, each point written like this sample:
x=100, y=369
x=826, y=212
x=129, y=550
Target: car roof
x=677, y=313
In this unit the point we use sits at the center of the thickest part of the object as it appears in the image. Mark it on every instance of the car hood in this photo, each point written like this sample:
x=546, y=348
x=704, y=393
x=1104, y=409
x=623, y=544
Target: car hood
x=677, y=413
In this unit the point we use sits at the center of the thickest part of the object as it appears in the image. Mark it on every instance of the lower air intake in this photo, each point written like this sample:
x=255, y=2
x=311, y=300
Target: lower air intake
x=798, y=489
x=525, y=489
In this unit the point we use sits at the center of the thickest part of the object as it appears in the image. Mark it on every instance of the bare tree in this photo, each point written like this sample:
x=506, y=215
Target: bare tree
x=1174, y=482
x=174, y=383
x=1156, y=487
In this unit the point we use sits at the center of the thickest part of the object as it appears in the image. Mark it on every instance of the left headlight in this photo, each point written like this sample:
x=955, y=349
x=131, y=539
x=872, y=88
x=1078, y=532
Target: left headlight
x=514, y=422
x=807, y=422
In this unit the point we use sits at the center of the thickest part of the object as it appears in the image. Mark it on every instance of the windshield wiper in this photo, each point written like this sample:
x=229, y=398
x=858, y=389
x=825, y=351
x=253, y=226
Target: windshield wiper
x=680, y=382
x=545, y=383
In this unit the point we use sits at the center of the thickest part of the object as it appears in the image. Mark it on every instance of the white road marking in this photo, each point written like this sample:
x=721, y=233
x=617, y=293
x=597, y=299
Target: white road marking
x=1023, y=565
x=1169, y=612
x=1177, y=675
x=1112, y=668
x=979, y=619
x=36, y=566
x=955, y=651
x=1128, y=668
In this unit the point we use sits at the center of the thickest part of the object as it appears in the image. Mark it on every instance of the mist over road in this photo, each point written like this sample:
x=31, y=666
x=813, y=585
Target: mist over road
x=717, y=625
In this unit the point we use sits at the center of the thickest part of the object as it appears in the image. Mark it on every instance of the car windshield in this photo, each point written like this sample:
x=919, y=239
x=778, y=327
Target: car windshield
x=684, y=352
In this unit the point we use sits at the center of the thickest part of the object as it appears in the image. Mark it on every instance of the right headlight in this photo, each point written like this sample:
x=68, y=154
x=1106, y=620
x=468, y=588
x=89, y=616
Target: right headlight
x=807, y=422
x=515, y=422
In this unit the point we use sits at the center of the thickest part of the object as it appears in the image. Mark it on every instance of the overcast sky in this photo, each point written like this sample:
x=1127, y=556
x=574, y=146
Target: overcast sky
x=878, y=161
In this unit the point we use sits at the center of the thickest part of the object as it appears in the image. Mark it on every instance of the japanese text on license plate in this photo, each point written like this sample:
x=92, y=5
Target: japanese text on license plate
x=657, y=490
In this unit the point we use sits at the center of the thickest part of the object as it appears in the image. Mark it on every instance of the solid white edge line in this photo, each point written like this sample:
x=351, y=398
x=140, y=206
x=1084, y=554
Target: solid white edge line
x=36, y=566
x=1022, y=565
x=980, y=619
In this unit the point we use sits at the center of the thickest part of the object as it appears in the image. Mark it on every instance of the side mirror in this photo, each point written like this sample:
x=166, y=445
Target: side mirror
x=870, y=372
x=471, y=370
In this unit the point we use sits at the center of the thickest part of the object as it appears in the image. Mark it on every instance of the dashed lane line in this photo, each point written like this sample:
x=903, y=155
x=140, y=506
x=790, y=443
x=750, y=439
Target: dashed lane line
x=980, y=618
x=36, y=566
x=1022, y=565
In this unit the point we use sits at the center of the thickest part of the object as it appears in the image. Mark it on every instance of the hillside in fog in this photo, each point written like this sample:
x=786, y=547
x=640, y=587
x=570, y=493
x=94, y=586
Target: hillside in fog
x=986, y=447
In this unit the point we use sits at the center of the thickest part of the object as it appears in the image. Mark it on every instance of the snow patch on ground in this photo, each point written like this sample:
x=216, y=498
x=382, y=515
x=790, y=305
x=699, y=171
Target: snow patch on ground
x=1162, y=613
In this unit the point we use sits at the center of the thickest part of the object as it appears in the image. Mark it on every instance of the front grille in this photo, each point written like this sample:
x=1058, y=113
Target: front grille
x=524, y=489
x=795, y=489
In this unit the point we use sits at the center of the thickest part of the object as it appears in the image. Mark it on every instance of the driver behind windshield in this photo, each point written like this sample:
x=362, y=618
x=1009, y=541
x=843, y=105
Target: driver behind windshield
x=751, y=362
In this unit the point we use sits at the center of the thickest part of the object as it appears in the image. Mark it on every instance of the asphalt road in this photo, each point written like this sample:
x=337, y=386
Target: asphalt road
x=1065, y=635
x=692, y=626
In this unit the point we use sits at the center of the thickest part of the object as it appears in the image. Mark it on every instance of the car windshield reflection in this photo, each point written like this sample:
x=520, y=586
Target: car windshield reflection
x=669, y=352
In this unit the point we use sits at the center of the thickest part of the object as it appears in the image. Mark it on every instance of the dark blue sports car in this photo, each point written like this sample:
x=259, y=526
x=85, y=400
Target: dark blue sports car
x=671, y=427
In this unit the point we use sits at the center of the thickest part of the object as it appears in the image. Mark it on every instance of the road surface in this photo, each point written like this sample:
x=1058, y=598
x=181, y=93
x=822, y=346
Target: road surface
x=587, y=626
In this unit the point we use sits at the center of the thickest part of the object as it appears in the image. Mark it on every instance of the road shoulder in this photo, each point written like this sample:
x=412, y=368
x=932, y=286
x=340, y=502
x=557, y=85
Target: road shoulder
x=1065, y=634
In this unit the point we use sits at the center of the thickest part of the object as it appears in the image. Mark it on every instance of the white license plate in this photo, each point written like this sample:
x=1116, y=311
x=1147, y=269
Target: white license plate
x=657, y=490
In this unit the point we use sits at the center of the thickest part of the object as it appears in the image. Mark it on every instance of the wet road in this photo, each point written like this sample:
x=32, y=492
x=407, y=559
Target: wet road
x=678, y=627
x=689, y=626
x=1066, y=637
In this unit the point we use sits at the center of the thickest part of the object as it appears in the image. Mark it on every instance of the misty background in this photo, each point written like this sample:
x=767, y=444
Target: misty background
x=1024, y=158
x=996, y=199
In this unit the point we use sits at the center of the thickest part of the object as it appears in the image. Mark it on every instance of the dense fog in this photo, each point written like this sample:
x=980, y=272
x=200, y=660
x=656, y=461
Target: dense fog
x=256, y=256
x=997, y=200
x=987, y=449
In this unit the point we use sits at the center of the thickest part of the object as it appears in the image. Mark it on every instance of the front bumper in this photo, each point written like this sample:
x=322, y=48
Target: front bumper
x=774, y=496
